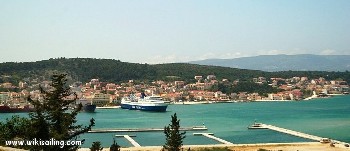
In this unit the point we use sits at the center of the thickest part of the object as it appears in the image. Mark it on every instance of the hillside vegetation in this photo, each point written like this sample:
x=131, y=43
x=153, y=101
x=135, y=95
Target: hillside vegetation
x=83, y=69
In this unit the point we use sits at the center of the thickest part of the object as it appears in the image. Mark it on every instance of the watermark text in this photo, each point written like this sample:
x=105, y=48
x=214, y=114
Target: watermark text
x=39, y=142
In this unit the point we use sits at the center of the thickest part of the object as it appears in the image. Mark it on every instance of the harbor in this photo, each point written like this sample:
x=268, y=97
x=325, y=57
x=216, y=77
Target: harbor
x=226, y=121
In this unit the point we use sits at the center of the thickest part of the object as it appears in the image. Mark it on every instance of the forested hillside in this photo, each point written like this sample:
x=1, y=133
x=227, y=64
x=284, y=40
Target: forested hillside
x=83, y=69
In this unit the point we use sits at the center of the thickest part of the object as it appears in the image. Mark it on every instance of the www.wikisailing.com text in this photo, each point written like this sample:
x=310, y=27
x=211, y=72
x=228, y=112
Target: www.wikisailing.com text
x=39, y=142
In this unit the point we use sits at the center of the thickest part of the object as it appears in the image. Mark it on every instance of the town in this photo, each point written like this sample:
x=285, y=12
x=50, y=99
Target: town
x=102, y=93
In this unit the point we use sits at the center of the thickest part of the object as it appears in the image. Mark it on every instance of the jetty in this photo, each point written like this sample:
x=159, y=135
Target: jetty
x=210, y=135
x=294, y=133
x=132, y=141
x=194, y=128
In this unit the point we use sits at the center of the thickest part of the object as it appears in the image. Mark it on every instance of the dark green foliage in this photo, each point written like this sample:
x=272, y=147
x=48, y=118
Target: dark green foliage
x=83, y=69
x=307, y=93
x=114, y=146
x=96, y=146
x=252, y=87
x=174, y=138
x=14, y=128
x=51, y=119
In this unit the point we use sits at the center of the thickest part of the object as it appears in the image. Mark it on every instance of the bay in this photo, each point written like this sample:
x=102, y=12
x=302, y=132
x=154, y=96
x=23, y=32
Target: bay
x=328, y=117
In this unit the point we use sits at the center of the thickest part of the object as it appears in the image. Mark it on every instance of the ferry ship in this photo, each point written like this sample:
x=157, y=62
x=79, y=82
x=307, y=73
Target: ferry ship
x=145, y=103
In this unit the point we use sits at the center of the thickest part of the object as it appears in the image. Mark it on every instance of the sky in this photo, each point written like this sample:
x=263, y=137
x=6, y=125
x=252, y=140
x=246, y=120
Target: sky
x=165, y=31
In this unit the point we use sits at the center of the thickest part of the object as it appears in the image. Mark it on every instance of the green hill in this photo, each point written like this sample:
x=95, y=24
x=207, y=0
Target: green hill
x=84, y=69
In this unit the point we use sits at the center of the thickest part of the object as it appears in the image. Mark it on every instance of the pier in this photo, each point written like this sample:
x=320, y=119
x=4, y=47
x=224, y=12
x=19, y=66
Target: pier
x=294, y=133
x=194, y=128
x=132, y=141
x=210, y=135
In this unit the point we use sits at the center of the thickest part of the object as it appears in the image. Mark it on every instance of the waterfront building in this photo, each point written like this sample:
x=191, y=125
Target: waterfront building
x=254, y=96
x=4, y=96
x=99, y=99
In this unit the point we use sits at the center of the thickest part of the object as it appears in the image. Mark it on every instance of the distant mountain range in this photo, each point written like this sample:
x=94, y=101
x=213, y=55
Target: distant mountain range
x=302, y=62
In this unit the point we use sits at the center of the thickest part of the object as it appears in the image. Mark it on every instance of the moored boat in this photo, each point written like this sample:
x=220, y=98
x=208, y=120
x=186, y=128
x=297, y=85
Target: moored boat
x=256, y=126
x=15, y=109
x=89, y=107
x=86, y=105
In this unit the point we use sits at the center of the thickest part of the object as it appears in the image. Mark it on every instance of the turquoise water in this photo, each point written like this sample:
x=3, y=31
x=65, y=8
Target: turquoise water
x=322, y=117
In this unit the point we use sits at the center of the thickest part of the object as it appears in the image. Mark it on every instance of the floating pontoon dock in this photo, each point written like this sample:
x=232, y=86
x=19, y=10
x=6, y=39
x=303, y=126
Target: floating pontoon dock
x=210, y=135
x=132, y=141
x=290, y=132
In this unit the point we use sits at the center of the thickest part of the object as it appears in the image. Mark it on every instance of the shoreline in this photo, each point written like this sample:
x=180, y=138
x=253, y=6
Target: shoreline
x=240, y=101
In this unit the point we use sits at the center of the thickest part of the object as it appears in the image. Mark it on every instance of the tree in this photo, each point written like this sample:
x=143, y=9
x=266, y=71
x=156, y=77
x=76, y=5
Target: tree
x=174, y=138
x=96, y=146
x=50, y=120
x=114, y=146
x=13, y=129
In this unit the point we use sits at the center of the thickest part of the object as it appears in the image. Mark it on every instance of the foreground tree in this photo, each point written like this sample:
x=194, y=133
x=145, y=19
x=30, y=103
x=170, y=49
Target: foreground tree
x=13, y=129
x=114, y=146
x=50, y=120
x=174, y=138
x=96, y=146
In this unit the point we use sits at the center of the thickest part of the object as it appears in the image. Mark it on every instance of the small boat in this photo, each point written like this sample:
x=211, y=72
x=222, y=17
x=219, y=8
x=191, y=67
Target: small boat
x=256, y=126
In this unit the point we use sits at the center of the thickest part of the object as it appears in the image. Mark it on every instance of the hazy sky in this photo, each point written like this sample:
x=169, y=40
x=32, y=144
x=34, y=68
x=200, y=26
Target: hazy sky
x=160, y=31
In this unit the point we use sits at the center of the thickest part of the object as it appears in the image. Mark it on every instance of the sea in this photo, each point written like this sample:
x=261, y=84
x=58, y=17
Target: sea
x=324, y=117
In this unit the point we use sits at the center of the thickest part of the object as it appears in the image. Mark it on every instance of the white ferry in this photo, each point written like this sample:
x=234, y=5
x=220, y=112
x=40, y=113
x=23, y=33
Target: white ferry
x=145, y=103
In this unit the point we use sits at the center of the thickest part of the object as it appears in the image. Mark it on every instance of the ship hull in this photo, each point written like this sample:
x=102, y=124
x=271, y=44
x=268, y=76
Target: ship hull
x=7, y=109
x=124, y=106
x=145, y=107
x=153, y=108
x=89, y=108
